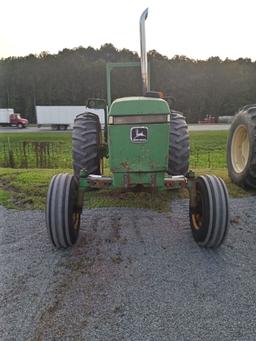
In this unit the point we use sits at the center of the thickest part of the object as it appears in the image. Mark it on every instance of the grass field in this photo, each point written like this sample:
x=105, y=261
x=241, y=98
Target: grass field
x=208, y=149
x=27, y=187
x=35, y=150
x=53, y=150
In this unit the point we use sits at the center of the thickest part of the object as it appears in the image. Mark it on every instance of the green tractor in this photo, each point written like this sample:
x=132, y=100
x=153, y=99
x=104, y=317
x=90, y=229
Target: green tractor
x=148, y=149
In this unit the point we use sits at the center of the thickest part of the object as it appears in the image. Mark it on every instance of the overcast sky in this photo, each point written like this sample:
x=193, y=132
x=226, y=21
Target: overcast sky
x=195, y=28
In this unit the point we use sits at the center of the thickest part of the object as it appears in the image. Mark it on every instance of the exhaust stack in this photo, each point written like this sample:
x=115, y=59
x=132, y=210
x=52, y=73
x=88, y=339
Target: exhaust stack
x=143, y=53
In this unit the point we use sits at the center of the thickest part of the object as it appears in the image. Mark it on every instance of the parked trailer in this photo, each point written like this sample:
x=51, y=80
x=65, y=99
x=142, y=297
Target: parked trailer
x=61, y=117
x=208, y=119
x=8, y=118
x=226, y=119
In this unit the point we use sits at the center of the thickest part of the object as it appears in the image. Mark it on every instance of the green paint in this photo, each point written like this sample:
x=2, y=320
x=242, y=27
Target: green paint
x=126, y=156
x=129, y=106
x=135, y=163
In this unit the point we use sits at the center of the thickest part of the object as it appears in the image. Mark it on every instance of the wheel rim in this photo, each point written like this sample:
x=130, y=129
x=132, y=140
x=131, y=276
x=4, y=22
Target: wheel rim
x=197, y=221
x=76, y=220
x=240, y=149
x=197, y=217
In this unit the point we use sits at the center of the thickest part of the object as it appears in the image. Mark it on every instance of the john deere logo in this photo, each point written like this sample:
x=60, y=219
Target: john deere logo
x=139, y=134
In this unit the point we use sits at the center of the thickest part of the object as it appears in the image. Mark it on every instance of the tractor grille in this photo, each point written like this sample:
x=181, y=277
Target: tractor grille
x=139, y=119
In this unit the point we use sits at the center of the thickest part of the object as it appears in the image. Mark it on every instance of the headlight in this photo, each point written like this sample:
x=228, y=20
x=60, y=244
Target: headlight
x=110, y=120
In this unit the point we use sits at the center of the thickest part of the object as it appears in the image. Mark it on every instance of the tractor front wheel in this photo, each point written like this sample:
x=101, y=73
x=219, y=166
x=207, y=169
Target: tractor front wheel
x=209, y=211
x=62, y=214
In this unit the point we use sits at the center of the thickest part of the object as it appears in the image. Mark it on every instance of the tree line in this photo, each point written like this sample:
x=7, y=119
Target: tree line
x=197, y=87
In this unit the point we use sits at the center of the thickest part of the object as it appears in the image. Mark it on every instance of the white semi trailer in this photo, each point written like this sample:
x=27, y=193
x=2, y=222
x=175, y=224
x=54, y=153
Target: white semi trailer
x=61, y=117
x=226, y=119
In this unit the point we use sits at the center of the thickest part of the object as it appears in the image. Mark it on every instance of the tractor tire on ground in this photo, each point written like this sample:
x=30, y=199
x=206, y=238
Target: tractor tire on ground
x=241, y=148
x=86, y=138
x=209, y=215
x=62, y=216
x=178, y=145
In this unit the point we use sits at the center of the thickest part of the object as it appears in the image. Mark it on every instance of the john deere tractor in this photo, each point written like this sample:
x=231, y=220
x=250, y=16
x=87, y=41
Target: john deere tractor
x=148, y=148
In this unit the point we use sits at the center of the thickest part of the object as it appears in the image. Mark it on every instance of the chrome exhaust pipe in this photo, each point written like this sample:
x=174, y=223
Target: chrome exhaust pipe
x=143, y=53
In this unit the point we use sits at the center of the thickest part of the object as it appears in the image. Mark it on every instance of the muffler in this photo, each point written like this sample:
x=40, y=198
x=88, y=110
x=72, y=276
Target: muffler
x=143, y=53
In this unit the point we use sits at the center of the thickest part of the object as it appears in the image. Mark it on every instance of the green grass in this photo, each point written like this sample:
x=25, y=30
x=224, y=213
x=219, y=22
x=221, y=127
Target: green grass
x=6, y=199
x=38, y=136
x=208, y=149
x=35, y=150
x=27, y=188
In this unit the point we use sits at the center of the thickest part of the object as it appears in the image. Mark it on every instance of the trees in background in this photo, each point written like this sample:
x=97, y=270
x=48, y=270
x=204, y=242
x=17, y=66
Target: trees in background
x=198, y=87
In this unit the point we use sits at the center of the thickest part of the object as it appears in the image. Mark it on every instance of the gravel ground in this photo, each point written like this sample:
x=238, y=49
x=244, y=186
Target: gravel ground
x=135, y=274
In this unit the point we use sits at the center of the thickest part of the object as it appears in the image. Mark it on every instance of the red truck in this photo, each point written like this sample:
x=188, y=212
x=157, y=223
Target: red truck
x=208, y=119
x=10, y=119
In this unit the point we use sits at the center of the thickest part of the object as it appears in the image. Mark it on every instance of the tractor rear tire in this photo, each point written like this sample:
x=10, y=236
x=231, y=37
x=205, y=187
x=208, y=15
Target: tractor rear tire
x=209, y=217
x=86, y=138
x=178, y=163
x=62, y=215
x=241, y=148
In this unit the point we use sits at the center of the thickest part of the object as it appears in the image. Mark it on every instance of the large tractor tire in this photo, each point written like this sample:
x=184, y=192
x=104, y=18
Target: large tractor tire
x=62, y=214
x=86, y=138
x=241, y=148
x=209, y=211
x=178, y=145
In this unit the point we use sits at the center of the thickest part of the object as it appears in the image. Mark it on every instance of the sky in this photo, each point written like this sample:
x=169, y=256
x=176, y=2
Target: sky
x=198, y=29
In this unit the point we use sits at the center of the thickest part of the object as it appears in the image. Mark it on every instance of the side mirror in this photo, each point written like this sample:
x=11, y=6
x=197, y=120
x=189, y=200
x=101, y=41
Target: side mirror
x=170, y=100
x=96, y=103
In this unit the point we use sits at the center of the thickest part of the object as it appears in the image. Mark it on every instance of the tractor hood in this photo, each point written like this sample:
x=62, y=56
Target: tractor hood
x=138, y=106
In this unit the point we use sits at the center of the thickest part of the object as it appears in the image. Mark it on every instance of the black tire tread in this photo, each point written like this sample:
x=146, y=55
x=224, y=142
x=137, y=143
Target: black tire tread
x=248, y=178
x=60, y=203
x=85, y=144
x=178, y=163
x=218, y=212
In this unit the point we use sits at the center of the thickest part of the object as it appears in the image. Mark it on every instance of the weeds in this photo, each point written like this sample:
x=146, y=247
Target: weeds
x=26, y=186
x=51, y=150
x=30, y=150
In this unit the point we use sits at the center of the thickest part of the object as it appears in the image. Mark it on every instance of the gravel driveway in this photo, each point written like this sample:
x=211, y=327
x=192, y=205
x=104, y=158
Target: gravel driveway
x=134, y=275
